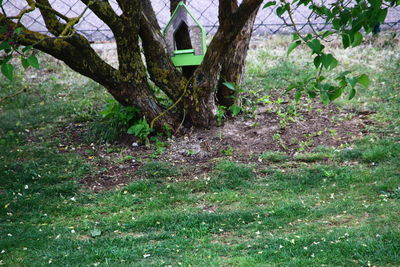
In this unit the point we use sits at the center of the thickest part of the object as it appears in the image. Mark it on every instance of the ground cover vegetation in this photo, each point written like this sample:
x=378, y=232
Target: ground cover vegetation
x=280, y=184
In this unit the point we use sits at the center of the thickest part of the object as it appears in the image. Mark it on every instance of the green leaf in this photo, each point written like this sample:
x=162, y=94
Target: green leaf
x=280, y=10
x=325, y=97
x=382, y=15
x=6, y=59
x=1, y=2
x=335, y=92
x=25, y=63
x=136, y=129
x=33, y=61
x=317, y=61
x=290, y=88
x=363, y=80
x=297, y=95
x=352, y=81
x=3, y=29
x=270, y=3
x=375, y=3
x=315, y=46
x=328, y=61
x=292, y=46
x=235, y=109
x=345, y=40
x=8, y=70
x=357, y=39
x=327, y=33
x=343, y=74
x=352, y=93
x=229, y=85
x=312, y=94
x=95, y=233
x=27, y=48
x=336, y=24
x=4, y=45
x=18, y=30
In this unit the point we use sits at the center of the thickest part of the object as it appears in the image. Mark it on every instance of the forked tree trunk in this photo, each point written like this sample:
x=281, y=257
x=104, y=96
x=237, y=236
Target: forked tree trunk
x=227, y=65
x=193, y=91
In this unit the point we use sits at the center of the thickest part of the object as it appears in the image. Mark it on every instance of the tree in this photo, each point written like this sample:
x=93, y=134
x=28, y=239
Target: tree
x=195, y=91
x=136, y=30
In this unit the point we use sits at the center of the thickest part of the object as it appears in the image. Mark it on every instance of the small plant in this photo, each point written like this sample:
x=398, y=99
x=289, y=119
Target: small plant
x=235, y=109
x=123, y=159
x=303, y=145
x=116, y=119
x=228, y=151
x=116, y=112
x=160, y=147
x=141, y=129
x=221, y=111
x=245, y=98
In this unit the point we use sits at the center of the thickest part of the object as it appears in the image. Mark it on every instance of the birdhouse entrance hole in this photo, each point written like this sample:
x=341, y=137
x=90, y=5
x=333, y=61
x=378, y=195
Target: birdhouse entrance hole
x=181, y=33
x=185, y=38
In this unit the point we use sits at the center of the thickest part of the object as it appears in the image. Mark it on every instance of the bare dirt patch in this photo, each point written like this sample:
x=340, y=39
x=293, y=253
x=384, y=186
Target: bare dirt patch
x=240, y=139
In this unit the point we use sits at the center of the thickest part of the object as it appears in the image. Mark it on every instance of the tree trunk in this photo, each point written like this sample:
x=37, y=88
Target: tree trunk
x=193, y=91
x=233, y=64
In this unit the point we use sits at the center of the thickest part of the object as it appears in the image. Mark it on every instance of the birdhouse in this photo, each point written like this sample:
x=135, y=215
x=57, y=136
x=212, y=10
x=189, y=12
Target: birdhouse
x=193, y=52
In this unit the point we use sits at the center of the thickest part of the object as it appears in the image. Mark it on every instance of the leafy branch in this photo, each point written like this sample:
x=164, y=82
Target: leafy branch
x=11, y=45
x=350, y=21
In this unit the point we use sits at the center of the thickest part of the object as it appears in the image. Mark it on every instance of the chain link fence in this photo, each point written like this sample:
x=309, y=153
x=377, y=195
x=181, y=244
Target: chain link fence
x=206, y=11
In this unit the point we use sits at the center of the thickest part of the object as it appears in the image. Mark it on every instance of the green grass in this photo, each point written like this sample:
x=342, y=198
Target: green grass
x=332, y=206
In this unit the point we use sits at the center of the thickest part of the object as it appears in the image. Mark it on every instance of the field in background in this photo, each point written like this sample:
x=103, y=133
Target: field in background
x=323, y=205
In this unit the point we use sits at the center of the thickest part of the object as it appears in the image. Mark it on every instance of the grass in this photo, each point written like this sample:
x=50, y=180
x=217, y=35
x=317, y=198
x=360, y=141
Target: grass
x=332, y=206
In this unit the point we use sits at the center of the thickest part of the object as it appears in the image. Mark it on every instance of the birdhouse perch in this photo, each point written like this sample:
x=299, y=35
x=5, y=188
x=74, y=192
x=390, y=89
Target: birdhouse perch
x=182, y=19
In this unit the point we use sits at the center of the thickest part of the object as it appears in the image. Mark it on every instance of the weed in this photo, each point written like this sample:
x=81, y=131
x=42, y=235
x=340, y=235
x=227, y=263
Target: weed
x=221, y=110
x=142, y=130
x=228, y=151
x=123, y=159
x=159, y=146
x=116, y=119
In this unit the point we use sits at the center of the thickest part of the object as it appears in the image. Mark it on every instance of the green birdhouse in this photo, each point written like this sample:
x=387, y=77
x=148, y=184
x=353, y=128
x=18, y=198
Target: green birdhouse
x=182, y=20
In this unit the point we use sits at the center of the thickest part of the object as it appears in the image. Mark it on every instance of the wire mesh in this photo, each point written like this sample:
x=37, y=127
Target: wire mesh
x=206, y=11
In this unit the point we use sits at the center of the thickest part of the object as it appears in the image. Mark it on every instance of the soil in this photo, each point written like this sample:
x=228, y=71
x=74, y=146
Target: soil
x=240, y=139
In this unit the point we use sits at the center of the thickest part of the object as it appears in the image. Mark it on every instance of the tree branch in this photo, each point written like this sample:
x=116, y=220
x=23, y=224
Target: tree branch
x=129, y=7
x=159, y=65
x=225, y=9
x=105, y=12
x=82, y=59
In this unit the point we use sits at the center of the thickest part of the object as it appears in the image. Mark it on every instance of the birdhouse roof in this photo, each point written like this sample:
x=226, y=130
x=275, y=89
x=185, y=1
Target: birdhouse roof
x=175, y=16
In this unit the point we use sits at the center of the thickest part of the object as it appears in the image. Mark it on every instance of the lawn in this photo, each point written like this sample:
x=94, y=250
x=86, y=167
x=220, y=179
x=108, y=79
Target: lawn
x=75, y=192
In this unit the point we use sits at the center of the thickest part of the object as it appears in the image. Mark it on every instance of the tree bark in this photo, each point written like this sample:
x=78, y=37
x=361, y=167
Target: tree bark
x=233, y=64
x=201, y=96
